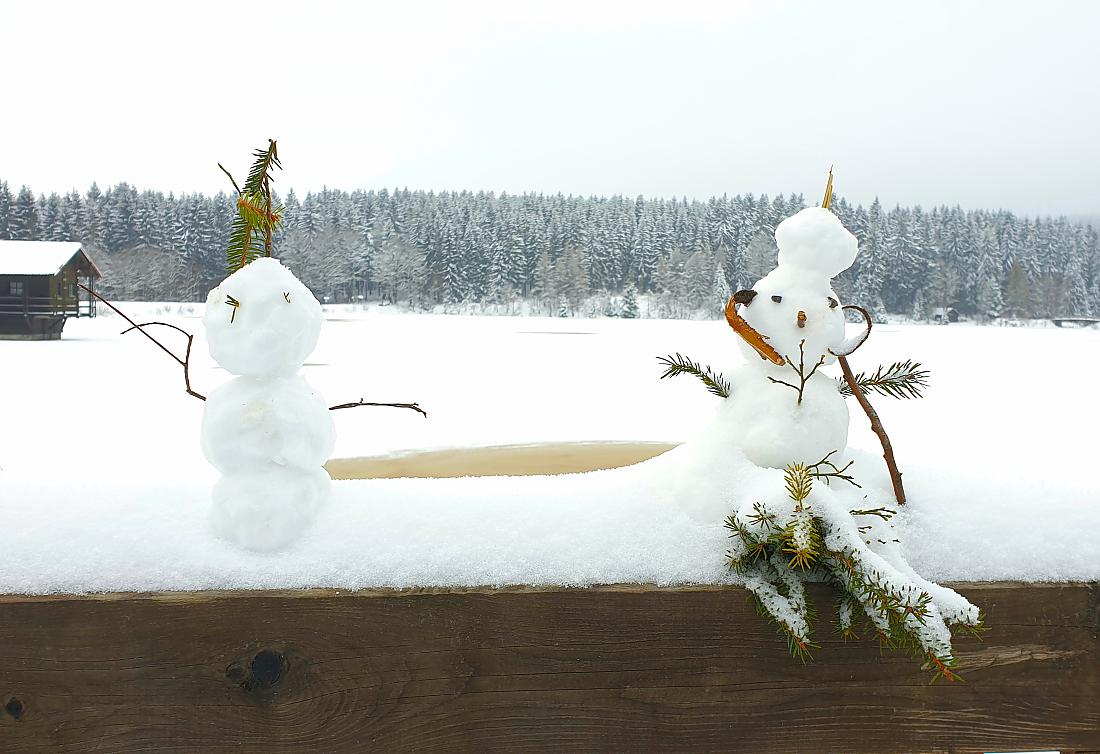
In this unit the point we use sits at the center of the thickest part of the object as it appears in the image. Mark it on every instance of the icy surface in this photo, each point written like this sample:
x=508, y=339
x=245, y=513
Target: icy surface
x=999, y=470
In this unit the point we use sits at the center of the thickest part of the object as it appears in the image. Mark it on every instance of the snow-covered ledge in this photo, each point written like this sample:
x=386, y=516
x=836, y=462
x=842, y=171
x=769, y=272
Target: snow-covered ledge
x=628, y=667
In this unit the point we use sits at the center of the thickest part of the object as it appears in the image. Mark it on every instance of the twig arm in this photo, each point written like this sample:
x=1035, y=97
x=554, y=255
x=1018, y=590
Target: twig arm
x=411, y=406
x=877, y=428
x=185, y=362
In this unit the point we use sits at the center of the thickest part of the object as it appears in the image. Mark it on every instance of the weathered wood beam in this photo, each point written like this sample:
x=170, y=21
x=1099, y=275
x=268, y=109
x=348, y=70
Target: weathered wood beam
x=618, y=668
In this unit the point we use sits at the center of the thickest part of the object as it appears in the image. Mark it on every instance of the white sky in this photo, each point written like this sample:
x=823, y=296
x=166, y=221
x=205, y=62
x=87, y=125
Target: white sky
x=986, y=104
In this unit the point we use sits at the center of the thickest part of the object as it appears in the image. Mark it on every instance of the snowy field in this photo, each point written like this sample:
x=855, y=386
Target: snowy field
x=103, y=486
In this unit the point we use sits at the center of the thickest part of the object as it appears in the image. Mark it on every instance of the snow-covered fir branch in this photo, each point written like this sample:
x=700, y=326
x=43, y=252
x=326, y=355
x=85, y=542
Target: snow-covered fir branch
x=553, y=254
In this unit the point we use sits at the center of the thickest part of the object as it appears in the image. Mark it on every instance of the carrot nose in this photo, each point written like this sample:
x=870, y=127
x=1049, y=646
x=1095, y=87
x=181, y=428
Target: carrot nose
x=802, y=319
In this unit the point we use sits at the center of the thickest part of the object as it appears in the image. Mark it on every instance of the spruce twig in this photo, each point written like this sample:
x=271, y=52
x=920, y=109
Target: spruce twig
x=676, y=365
x=901, y=380
x=257, y=218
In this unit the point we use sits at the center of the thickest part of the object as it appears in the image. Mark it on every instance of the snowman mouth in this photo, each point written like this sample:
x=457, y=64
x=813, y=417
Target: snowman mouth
x=750, y=335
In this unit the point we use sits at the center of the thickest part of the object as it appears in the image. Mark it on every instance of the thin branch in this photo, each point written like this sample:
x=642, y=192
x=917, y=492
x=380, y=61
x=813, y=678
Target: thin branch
x=877, y=428
x=185, y=362
x=162, y=324
x=800, y=370
x=834, y=472
x=361, y=402
x=230, y=178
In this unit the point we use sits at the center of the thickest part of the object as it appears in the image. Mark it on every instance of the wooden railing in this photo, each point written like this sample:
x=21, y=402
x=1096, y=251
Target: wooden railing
x=616, y=668
x=46, y=305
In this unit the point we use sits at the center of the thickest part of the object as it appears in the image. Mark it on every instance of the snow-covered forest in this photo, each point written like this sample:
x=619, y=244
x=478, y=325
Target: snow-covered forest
x=555, y=254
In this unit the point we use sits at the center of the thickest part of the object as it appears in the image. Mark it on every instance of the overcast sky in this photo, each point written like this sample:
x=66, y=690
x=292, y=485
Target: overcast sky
x=985, y=104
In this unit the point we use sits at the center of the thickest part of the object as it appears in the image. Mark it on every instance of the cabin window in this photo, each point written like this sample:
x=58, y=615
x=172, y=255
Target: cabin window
x=15, y=288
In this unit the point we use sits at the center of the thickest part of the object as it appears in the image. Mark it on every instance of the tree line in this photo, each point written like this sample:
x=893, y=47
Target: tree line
x=571, y=255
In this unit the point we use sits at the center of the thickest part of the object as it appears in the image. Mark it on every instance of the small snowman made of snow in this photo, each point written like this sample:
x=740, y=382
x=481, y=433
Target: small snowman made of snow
x=791, y=323
x=266, y=430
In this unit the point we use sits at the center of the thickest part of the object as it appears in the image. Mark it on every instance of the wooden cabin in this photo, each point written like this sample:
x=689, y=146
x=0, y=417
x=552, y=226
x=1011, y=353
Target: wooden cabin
x=38, y=288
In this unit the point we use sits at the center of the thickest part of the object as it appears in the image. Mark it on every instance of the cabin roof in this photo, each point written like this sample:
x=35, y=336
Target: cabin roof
x=40, y=257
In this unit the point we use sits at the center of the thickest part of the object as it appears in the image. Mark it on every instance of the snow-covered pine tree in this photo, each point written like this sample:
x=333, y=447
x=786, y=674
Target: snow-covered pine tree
x=630, y=303
x=6, y=201
x=23, y=220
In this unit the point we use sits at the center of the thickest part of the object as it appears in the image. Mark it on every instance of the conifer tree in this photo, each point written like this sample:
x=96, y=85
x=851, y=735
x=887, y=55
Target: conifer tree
x=630, y=303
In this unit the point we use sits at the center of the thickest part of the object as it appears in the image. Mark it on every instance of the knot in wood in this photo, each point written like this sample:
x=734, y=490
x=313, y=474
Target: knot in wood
x=268, y=668
x=14, y=707
x=263, y=672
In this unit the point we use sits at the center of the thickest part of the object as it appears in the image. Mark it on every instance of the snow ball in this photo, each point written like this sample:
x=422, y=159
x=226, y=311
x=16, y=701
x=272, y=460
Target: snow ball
x=773, y=430
x=815, y=241
x=249, y=421
x=267, y=507
x=272, y=328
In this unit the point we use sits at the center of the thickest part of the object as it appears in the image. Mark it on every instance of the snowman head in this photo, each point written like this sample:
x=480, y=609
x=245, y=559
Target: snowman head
x=794, y=309
x=261, y=321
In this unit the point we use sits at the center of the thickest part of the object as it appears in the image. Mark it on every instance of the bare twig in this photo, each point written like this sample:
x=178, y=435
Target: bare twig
x=800, y=370
x=230, y=178
x=877, y=428
x=833, y=472
x=184, y=362
x=361, y=402
x=186, y=358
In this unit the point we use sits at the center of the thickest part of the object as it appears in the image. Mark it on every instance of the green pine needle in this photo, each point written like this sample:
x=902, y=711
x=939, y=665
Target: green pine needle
x=257, y=217
x=800, y=482
x=676, y=365
x=901, y=380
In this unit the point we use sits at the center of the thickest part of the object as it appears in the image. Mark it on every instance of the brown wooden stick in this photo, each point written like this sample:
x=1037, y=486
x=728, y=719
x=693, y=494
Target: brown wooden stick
x=361, y=402
x=186, y=359
x=184, y=362
x=877, y=428
x=751, y=336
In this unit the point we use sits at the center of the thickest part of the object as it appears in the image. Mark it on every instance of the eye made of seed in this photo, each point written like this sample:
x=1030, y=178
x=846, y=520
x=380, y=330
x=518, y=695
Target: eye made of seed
x=230, y=301
x=832, y=302
x=286, y=295
x=777, y=299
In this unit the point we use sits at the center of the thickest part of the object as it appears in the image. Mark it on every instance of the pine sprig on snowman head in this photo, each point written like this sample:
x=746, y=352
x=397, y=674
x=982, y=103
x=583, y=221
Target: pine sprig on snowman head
x=258, y=217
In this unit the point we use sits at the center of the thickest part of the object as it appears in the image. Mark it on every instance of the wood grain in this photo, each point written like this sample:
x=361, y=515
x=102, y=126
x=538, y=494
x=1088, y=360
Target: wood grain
x=618, y=668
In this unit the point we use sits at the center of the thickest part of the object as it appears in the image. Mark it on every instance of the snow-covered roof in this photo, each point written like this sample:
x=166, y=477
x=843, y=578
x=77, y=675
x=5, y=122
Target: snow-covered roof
x=39, y=257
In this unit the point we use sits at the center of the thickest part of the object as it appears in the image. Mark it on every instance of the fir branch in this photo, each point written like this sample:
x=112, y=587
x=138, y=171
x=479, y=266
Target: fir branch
x=901, y=380
x=250, y=235
x=676, y=365
x=799, y=481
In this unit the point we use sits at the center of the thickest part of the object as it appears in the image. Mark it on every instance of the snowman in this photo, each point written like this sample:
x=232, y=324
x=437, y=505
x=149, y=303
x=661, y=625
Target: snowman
x=791, y=323
x=266, y=430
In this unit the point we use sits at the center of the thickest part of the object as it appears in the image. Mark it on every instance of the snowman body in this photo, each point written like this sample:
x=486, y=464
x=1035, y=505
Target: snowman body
x=800, y=316
x=266, y=430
